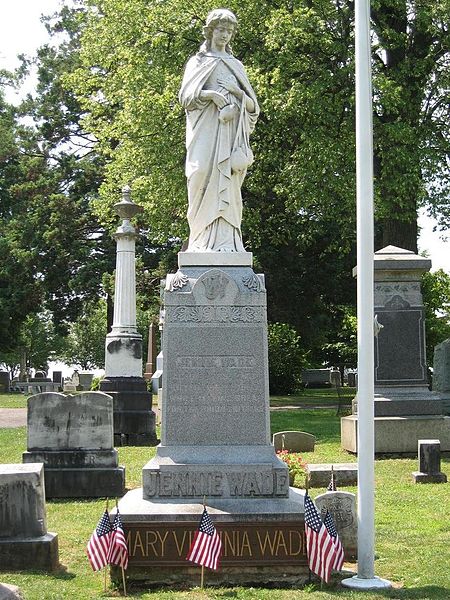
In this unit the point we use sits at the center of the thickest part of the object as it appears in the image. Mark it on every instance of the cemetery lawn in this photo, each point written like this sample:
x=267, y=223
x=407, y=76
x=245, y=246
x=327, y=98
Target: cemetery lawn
x=309, y=397
x=412, y=529
x=13, y=401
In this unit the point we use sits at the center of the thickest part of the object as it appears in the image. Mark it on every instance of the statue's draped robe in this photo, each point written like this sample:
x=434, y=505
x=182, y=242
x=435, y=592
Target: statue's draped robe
x=214, y=191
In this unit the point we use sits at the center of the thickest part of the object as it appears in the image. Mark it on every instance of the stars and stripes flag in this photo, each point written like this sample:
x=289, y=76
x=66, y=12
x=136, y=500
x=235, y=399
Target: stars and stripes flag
x=339, y=550
x=118, y=551
x=206, y=547
x=99, y=543
x=319, y=544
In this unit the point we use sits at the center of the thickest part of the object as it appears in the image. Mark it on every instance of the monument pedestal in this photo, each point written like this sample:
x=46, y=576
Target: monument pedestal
x=134, y=419
x=215, y=445
x=73, y=437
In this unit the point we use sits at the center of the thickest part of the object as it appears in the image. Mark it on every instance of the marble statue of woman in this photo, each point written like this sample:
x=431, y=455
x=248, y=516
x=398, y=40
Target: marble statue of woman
x=221, y=112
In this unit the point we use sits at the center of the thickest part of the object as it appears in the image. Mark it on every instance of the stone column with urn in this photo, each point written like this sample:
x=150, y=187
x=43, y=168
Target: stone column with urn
x=134, y=420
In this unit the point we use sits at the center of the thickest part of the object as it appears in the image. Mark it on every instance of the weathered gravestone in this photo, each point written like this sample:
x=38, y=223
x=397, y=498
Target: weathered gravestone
x=405, y=410
x=342, y=507
x=293, y=441
x=24, y=540
x=441, y=373
x=429, y=452
x=73, y=437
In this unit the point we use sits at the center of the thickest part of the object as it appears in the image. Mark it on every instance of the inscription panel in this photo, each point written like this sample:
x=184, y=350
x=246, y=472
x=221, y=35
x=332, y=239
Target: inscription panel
x=215, y=385
x=400, y=347
x=237, y=482
x=167, y=544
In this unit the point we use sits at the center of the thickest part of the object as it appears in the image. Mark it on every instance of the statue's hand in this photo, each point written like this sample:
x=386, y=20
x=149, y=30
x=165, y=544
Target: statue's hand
x=231, y=87
x=219, y=99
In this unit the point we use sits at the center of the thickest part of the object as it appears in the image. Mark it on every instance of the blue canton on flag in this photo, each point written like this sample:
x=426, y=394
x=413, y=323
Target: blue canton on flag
x=99, y=543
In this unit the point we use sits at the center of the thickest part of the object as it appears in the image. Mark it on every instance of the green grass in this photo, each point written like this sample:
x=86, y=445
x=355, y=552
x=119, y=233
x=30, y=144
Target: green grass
x=13, y=401
x=315, y=397
x=412, y=528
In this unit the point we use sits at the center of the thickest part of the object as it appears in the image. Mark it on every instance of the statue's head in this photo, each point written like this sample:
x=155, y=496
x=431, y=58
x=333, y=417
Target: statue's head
x=217, y=17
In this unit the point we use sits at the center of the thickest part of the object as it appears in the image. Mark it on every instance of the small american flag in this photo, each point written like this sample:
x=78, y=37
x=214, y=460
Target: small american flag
x=118, y=551
x=332, y=485
x=99, y=542
x=339, y=554
x=319, y=545
x=206, y=546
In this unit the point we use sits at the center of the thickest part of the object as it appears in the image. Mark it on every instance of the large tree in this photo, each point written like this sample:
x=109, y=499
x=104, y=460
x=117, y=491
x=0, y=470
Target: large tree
x=299, y=196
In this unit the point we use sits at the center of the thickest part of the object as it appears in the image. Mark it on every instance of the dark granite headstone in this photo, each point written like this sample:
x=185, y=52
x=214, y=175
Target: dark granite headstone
x=429, y=452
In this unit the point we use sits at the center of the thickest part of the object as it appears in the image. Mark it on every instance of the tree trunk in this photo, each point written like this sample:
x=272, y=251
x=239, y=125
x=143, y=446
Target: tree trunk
x=395, y=232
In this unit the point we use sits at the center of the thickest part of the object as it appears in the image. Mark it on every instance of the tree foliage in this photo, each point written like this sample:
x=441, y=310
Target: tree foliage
x=436, y=298
x=299, y=196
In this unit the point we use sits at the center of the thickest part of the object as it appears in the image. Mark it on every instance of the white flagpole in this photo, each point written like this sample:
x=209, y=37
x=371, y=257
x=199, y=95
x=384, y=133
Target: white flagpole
x=365, y=579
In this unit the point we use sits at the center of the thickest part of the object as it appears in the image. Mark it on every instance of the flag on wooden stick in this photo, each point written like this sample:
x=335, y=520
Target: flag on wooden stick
x=206, y=547
x=99, y=543
x=319, y=544
x=339, y=550
x=118, y=552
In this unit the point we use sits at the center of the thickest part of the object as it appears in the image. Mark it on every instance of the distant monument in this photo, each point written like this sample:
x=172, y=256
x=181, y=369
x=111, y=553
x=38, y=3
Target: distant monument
x=134, y=420
x=215, y=413
x=405, y=410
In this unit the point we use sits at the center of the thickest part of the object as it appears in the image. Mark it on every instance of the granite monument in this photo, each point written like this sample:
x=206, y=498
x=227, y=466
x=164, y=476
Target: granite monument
x=405, y=410
x=215, y=433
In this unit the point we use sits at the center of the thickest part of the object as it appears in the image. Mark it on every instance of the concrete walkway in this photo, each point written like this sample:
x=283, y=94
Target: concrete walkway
x=13, y=417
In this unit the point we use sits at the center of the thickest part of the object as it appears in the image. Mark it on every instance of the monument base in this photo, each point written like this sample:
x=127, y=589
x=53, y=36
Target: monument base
x=40, y=553
x=134, y=420
x=263, y=540
x=398, y=435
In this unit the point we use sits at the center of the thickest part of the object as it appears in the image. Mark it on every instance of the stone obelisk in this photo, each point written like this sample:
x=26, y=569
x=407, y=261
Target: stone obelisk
x=134, y=420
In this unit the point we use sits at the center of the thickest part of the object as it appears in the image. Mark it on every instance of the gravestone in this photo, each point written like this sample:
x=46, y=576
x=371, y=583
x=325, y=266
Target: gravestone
x=25, y=542
x=319, y=474
x=4, y=382
x=57, y=377
x=429, y=452
x=441, y=373
x=85, y=380
x=293, y=441
x=73, y=437
x=405, y=410
x=342, y=507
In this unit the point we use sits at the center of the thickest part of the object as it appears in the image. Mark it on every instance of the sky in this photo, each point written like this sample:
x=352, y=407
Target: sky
x=21, y=32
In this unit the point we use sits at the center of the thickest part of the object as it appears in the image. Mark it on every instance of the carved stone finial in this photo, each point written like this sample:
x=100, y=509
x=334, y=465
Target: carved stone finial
x=126, y=208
